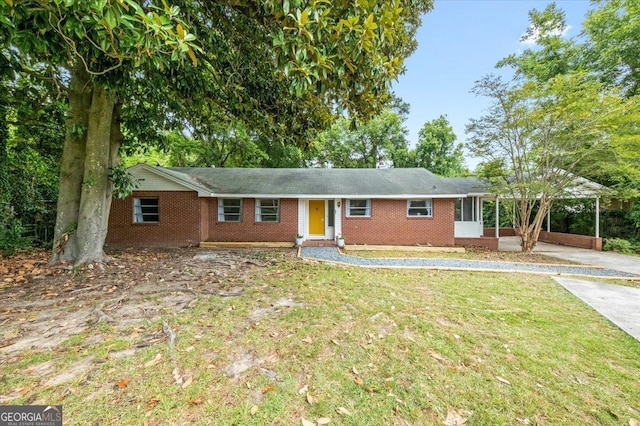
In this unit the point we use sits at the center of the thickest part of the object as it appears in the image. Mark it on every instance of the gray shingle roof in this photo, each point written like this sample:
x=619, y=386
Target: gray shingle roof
x=388, y=183
x=470, y=185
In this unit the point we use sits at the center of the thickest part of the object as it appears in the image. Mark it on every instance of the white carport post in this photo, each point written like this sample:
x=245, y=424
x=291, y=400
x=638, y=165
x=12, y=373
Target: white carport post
x=497, y=217
x=549, y=220
x=597, y=217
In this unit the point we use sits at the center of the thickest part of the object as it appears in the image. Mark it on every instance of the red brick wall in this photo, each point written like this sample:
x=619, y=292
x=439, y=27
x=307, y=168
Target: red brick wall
x=179, y=223
x=504, y=232
x=571, y=240
x=249, y=229
x=487, y=242
x=389, y=225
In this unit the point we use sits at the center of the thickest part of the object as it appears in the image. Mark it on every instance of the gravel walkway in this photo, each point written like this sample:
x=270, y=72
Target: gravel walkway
x=331, y=254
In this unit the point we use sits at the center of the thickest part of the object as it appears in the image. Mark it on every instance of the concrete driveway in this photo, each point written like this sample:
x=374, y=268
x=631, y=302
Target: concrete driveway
x=619, y=304
x=605, y=259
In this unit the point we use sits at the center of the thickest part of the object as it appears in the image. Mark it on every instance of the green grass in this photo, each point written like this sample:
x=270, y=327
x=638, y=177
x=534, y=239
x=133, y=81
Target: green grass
x=469, y=254
x=393, y=347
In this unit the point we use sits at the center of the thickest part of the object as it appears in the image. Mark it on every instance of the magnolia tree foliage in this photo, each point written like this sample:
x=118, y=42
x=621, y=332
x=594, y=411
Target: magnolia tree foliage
x=131, y=67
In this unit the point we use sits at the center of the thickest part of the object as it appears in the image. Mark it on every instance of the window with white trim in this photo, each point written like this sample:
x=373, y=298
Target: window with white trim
x=465, y=209
x=268, y=210
x=358, y=208
x=146, y=210
x=419, y=208
x=229, y=210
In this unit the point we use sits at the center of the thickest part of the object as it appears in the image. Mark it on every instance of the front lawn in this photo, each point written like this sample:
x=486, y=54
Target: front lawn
x=291, y=340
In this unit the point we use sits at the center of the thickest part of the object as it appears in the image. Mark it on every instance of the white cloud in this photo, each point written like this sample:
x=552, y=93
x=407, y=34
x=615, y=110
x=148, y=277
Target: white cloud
x=532, y=36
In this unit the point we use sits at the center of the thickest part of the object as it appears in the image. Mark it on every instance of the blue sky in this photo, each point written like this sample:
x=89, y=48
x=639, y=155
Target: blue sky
x=459, y=42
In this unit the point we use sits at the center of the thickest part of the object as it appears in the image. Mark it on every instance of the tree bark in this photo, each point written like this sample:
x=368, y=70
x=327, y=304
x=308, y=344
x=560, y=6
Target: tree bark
x=65, y=246
x=531, y=232
x=115, y=142
x=96, y=188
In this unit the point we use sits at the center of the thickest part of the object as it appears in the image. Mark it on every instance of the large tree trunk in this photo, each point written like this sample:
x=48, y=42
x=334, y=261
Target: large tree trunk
x=531, y=232
x=85, y=189
x=95, y=187
x=65, y=247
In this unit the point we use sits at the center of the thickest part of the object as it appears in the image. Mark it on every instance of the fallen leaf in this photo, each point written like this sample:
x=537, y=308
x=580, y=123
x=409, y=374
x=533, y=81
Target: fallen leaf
x=308, y=340
x=358, y=380
x=253, y=410
x=310, y=399
x=335, y=342
x=152, y=402
x=456, y=417
x=323, y=421
x=343, y=411
x=122, y=383
x=268, y=389
x=503, y=380
x=177, y=377
x=303, y=390
x=633, y=422
x=438, y=357
x=197, y=401
x=154, y=361
x=187, y=382
x=306, y=422
x=355, y=371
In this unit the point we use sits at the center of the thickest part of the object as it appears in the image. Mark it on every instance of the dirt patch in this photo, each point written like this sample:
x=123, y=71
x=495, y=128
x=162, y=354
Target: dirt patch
x=275, y=307
x=43, y=307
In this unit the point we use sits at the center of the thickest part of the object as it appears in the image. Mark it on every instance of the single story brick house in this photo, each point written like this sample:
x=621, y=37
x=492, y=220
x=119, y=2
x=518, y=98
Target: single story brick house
x=186, y=206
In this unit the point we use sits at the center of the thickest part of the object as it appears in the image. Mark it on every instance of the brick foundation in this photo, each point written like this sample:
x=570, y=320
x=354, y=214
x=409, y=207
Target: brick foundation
x=487, y=242
x=504, y=232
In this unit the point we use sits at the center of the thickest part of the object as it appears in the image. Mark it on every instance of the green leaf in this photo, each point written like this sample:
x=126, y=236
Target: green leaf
x=304, y=17
x=110, y=18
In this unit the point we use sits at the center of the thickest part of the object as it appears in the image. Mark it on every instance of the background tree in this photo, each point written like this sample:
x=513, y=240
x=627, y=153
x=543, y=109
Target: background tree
x=31, y=135
x=381, y=139
x=612, y=49
x=437, y=151
x=281, y=67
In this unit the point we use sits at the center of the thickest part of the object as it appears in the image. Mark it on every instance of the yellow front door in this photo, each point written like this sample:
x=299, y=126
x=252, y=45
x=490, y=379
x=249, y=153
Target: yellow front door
x=316, y=217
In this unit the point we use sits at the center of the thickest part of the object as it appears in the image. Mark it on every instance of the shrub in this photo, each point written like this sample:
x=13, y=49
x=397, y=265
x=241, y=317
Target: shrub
x=12, y=238
x=619, y=245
